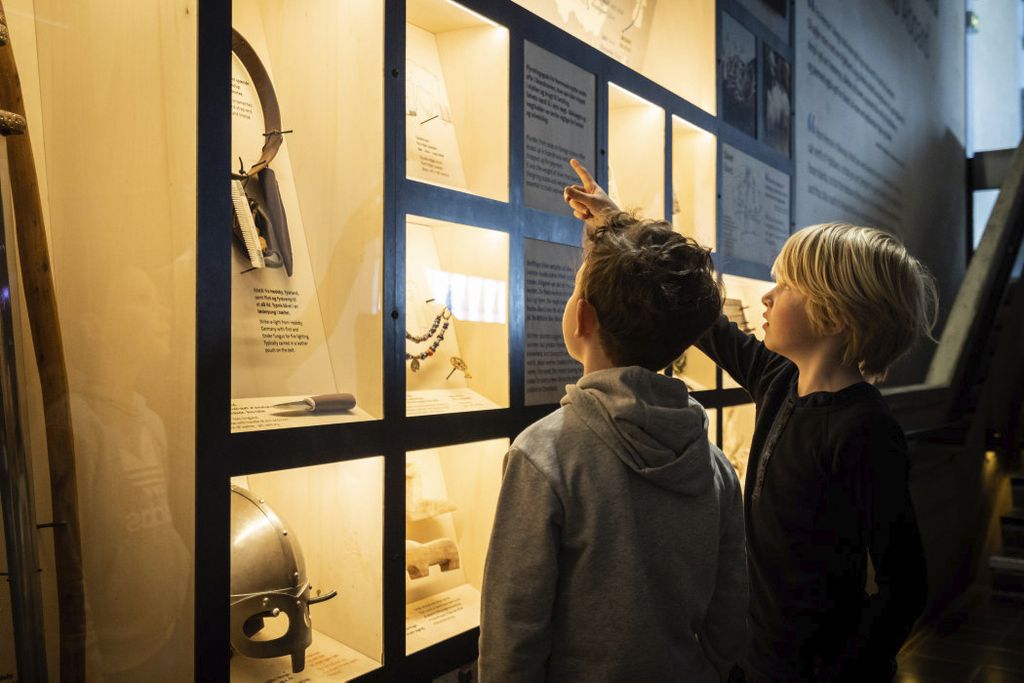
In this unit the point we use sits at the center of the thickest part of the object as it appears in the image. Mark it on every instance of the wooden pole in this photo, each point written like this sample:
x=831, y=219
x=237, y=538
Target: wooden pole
x=37, y=282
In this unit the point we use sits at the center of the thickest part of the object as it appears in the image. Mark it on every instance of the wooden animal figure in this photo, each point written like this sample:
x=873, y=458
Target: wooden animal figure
x=420, y=556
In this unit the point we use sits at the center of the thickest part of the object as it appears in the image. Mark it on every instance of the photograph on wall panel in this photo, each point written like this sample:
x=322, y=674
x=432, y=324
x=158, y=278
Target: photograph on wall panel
x=777, y=101
x=306, y=589
x=737, y=64
x=456, y=99
x=306, y=324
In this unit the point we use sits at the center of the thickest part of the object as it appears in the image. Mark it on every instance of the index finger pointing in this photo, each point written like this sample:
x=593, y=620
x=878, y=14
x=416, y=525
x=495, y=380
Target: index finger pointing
x=584, y=174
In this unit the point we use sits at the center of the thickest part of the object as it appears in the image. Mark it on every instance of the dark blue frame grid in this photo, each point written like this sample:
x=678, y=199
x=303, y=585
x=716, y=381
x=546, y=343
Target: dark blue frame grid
x=756, y=147
x=220, y=454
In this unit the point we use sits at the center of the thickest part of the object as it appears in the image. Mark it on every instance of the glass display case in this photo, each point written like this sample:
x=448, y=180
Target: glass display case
x=694, y=154
x=743, y=306
x=456, y=312
x=450, y=498
x=672, y=43
x=306, y=573
x=306, y=99
x=696, y=370
x=456, y=99
x=309, y=266
x=636, y=153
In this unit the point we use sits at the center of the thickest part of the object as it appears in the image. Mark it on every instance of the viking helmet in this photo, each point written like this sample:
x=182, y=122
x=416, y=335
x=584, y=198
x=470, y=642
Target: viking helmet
x=268, y=577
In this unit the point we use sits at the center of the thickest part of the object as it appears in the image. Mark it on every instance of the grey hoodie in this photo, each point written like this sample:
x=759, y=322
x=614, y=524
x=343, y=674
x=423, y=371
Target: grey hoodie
x=617, y=552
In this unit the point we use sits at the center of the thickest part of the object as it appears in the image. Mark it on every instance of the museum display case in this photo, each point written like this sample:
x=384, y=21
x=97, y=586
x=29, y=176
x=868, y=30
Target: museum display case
x=306, y=573
x=636, y=153
x=450, y=498
x=694, y=193
x=743, y=306
x=672, y=43
x=306, y=100
x=456, y=313
x=696, y=370
x=310, y=261
x=456, y=98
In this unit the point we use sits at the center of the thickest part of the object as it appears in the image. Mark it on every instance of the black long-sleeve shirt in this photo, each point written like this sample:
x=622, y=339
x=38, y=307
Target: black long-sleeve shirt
x=833, y=489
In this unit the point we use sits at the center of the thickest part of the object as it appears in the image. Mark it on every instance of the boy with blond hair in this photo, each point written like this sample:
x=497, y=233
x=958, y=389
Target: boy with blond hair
x=827, y=481
x=617, y=552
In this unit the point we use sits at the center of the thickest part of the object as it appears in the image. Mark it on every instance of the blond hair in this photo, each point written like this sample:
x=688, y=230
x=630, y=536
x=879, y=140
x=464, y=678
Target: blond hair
x=865, y=280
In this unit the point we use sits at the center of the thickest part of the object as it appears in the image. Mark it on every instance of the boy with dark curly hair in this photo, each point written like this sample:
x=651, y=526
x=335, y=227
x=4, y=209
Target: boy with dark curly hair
x=617, y=551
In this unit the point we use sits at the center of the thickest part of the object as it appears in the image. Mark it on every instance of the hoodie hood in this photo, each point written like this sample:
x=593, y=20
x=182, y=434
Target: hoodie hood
x=650, y=422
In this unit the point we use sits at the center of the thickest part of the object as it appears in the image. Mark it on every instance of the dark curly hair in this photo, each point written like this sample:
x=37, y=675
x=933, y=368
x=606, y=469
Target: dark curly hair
x=653, y=289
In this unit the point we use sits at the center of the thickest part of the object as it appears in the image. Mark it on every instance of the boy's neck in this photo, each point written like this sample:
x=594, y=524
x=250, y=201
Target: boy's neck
x=824, y=374
x=592, y=362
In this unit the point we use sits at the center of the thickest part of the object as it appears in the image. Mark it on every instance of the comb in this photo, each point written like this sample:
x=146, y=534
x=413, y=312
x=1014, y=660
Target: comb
x=246, y=225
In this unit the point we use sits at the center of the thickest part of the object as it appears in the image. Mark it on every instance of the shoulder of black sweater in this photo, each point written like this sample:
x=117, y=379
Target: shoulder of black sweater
x=862, y=429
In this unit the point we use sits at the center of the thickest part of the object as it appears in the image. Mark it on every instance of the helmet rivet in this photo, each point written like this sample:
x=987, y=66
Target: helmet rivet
x=284, y=533
x=266, y=601
x=274, y=612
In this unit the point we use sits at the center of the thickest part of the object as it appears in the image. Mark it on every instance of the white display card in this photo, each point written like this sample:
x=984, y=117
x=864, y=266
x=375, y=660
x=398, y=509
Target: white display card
x=431, y=146
x=441, y=616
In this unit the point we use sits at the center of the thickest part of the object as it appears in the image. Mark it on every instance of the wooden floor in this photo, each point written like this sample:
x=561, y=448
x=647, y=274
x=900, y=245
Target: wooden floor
x=980, y=641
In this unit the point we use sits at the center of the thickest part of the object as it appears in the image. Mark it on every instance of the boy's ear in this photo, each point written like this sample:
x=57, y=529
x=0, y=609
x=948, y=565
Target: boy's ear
x=587, y=323
x=835, y=327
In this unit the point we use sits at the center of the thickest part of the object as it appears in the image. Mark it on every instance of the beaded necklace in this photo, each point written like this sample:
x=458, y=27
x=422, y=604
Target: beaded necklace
x=445, y=315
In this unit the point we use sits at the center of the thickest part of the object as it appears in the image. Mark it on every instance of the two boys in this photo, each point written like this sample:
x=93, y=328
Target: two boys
x=826, y=481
